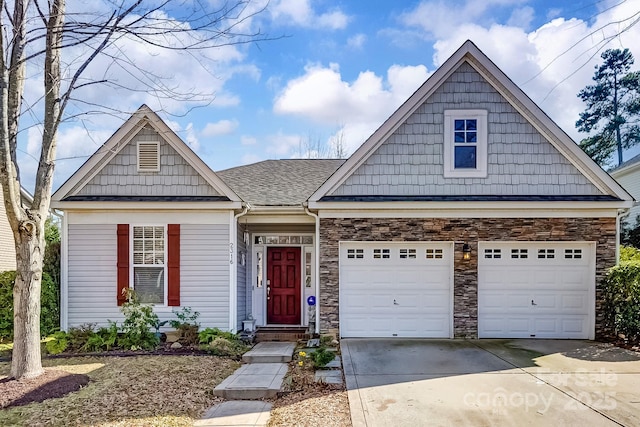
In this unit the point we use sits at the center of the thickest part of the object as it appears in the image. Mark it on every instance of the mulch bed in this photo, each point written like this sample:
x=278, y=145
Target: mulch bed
x=53, y=383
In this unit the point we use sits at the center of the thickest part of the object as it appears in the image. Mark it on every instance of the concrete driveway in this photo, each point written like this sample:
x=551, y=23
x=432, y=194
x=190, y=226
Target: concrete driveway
x=398, y=382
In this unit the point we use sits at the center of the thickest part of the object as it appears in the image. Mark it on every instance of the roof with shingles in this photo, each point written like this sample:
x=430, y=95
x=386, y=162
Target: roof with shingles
x=631, y=161
x=287, y=182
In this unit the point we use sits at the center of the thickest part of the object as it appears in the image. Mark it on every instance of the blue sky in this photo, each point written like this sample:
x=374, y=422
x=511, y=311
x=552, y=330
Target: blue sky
x=338, y=69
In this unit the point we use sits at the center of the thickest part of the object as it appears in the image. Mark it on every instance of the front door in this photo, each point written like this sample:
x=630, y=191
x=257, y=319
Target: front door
x=283, y=286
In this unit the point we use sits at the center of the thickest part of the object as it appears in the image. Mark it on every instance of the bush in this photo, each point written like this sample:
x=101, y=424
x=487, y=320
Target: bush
x=103, y=339
x=187, y=324
x=321, y=357
x=621, y=294
x=221, y=346
x=58, y=343
x=50, y=307
x=629, y=253
x=207, y=335
x=79, y=336
x=630, y=235
x=136, y=327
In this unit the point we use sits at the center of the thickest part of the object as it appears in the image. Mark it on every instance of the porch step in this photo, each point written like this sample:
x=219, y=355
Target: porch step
x=276, y=333
x=253, y=381
x=270, y=352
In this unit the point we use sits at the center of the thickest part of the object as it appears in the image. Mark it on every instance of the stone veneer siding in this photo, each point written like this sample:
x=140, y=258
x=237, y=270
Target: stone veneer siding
x=470, y=230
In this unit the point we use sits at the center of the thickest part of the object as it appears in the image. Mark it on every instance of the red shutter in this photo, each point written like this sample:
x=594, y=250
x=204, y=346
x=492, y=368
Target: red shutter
x=123, y=262
x=173, y=264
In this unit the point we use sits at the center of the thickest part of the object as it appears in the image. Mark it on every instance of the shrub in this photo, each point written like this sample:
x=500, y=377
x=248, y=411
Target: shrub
x=136, y=327
x=58, y=343
x=50, y=307
x=621, y=295
x=630, y=233
x=322, y=356
x=187, y=324
x=629, y=253
x=6, y=302
x=221, y=346
x=79, y=336
x=104, y=338
x=207, y=335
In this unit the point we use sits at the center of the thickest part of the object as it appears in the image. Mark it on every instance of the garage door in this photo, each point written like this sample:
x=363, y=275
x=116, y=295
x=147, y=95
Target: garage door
x=536, y=290
x=394, y=289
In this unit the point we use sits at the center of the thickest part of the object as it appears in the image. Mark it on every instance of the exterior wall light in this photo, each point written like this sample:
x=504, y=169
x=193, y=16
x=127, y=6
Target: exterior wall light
x=466, y=252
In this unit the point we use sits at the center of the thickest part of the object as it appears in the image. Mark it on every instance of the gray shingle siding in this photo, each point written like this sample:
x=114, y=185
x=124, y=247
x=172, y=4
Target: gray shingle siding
x=121, y=177
x=520, y=160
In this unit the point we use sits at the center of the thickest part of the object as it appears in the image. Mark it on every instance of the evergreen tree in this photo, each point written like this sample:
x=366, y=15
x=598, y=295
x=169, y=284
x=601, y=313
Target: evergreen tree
x=613, y=103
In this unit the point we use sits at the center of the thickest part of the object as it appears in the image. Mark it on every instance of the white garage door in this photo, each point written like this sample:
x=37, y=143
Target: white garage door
x=396, y=289
x=536, y=290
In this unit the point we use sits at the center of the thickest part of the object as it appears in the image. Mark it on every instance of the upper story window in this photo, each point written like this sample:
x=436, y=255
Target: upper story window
x=465, y=143
x=148, y=156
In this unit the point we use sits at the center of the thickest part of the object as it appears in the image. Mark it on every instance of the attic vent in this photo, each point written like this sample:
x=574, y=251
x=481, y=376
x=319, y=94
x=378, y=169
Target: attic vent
x=148, y=156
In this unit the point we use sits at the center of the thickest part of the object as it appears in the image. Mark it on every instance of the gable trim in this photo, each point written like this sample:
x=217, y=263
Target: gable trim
x=144, y=115
x=470, y=53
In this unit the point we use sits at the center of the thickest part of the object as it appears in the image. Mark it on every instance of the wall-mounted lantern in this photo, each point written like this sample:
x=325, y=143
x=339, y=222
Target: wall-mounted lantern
x=466, y=252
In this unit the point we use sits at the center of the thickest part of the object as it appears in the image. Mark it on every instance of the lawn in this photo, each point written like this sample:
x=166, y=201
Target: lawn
x=128, y=391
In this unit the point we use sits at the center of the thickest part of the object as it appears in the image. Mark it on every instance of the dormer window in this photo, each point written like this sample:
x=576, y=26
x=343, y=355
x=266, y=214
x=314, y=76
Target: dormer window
x=148, y=156
x=465, y=143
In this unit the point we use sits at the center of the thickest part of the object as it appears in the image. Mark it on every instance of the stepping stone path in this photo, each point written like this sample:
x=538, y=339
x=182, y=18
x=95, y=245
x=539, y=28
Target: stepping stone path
x=331, y=373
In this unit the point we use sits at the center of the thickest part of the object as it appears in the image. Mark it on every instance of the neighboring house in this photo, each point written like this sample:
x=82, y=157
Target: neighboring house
x=628, y=175
x=7, y=242
x=468, y=213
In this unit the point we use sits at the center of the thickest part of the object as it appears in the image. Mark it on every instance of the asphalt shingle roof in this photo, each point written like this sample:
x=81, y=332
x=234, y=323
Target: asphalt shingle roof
x=631, y=161
x=279, y=182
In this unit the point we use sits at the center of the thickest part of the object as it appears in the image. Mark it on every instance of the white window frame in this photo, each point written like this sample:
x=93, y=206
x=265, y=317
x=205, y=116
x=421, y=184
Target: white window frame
x=132, y=273
x=480, y=171
x=157, y=144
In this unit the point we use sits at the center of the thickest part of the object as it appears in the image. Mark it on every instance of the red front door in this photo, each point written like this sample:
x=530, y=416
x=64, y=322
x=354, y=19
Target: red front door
x=283, y=286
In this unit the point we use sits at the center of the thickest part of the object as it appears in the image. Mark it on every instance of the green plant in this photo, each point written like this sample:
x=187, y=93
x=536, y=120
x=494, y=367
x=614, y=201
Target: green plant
x=50, y=308
x=58, y=343
x=187, y=324
x=6, y=302
x=104, y=338
x=79, y=336
x=136, y=327
x=207, y=335
x=221, y=346
x=322, y=356
x=629, y=253
x=621, y=299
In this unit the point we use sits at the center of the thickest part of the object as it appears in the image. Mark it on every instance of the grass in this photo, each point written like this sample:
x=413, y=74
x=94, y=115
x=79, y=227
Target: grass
x=128, y=391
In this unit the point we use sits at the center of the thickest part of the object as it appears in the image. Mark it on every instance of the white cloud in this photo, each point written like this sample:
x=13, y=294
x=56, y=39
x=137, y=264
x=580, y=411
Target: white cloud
x=282, y=145
x=521, y=17
x=221, y=127
x=357, y=41
x=360, y=106
x=438, y=18
x=301, y=13
x=248, y=140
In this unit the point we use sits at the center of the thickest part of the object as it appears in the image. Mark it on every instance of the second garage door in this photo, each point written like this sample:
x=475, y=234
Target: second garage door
x=396, y=289
x=536, y=290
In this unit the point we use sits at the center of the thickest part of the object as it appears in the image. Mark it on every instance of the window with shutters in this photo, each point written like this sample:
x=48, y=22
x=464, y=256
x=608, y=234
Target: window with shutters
x=149, y=264
x=148, y=156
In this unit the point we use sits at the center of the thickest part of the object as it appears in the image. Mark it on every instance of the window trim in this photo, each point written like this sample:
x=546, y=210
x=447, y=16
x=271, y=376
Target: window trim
x=480, y=171
x=132, y=275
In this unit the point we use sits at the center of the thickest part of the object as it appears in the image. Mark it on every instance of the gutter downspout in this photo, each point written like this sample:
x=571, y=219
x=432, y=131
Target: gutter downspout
x=317, y=263
x=233, y=268
x=621, y=214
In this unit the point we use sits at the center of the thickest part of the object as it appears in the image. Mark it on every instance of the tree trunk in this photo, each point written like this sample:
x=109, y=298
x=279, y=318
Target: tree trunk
x=26, y=361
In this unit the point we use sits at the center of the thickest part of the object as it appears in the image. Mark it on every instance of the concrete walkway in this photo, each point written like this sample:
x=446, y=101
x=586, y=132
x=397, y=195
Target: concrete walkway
x=261, y=377
x=491, y=383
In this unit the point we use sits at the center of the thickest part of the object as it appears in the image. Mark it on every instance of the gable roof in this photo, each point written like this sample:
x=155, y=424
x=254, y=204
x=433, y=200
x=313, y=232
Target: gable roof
x=287, y=182
x=470, y=54
x=632, y=163
x=138, y=120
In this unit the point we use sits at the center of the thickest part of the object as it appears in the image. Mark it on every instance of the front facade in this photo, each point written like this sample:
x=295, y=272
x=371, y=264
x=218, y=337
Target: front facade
x=468, y=213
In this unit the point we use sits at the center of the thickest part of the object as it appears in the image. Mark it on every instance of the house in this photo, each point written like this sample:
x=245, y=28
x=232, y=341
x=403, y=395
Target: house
x=7, y=245
x=468, y=213
x=628, y=175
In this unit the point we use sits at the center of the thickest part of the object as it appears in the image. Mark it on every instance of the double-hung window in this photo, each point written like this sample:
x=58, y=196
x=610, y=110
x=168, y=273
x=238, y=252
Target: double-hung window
x=149, y=263
x=465, y=143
